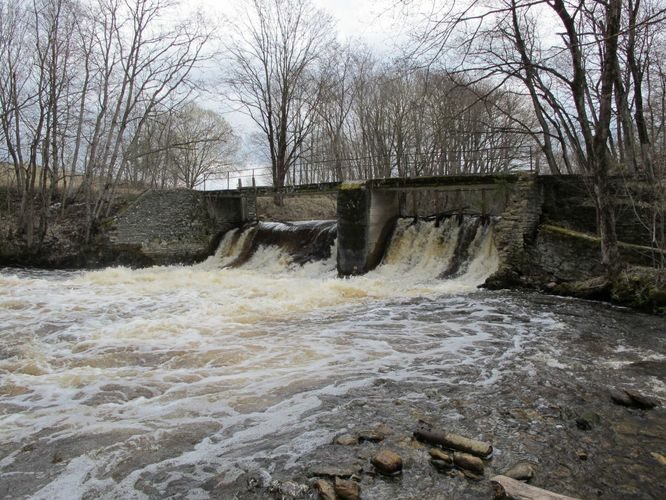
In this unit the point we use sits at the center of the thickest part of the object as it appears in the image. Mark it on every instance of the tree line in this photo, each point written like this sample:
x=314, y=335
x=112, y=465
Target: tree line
x=98, y=93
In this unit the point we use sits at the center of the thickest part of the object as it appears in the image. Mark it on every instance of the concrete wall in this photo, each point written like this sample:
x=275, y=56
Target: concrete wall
x=366, y=219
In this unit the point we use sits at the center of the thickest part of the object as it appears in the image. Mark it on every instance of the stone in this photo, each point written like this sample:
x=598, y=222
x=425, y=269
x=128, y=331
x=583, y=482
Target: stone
x=587, y=421
x=440, y=459
x=387, y=462
x=438, y=454
x=659, y=457
x=375, y=434
x=346, y=440
x=347, y=489
x=288, y=489
x=641, y=400
x=468, y=462
x=324, y=489
x=333, y=470
x=633, y=399
x=620, y=397
x=522, y=471
x=441, y=465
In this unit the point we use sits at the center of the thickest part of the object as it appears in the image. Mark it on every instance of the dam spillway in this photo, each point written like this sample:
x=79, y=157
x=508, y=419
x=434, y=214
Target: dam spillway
x=455, y=248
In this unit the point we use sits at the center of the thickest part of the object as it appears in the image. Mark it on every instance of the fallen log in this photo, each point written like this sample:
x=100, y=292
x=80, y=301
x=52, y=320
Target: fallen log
x=455, y=442
x=507, y=488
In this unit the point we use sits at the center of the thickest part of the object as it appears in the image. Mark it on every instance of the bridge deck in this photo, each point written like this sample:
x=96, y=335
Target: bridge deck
x=438, y=183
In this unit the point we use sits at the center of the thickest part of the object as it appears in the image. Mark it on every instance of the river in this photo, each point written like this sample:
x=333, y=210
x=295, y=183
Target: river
x=219, y=381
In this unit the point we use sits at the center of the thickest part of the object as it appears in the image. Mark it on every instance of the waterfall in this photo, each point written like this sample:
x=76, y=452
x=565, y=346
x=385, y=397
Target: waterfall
x=453, y=248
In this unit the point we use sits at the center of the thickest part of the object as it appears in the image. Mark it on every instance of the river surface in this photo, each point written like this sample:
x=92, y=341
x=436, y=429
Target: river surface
x=231, y=382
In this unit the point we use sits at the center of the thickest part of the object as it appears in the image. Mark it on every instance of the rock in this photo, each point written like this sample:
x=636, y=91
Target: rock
x=334, y=471
x=522, y=471
x=346, y=440
x=620, y=397
x=633, y=399
x=581, y=454
x=588, y=420
x=641, y=400
x=468, y=462
x=659, y=457
x=438, y=454
x=288, y=489
x=347, y=490
x=441, y=465
x=441, y=460
x=324, y=489
x=387, y=462
x=375, y=435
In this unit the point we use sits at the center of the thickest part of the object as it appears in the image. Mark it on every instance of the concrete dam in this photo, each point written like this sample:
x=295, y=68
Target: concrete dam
x=534, y=223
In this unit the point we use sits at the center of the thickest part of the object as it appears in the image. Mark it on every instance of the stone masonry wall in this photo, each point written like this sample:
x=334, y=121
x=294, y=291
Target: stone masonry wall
x=164, y=227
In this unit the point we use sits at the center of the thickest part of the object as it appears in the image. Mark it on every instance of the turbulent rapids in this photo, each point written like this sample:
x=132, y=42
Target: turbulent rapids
x=182, y=381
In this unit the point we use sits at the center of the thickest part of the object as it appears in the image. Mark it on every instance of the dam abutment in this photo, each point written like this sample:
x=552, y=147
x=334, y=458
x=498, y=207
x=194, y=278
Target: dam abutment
x=366, y=218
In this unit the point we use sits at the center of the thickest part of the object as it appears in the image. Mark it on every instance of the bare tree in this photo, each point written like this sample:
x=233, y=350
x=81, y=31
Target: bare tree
x=78, y=83
x=275, y=54
x=573, y=81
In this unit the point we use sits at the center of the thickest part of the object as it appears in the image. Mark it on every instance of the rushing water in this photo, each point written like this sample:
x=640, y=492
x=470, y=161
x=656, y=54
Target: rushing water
x=176, y=380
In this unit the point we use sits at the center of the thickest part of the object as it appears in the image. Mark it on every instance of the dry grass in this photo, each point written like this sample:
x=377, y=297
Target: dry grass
x=297, y=208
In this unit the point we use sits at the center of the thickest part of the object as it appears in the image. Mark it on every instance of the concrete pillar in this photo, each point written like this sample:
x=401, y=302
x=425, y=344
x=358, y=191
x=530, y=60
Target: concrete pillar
x=366, y=219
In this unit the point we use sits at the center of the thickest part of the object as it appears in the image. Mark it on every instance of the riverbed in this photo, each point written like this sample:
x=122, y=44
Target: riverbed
x=213, y=382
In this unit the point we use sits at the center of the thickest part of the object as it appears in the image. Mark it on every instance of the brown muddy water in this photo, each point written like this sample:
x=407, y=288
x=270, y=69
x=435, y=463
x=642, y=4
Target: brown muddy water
x=232, y=382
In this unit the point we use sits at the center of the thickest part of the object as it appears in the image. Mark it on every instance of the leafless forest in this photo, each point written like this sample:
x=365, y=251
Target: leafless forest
x=99, y=95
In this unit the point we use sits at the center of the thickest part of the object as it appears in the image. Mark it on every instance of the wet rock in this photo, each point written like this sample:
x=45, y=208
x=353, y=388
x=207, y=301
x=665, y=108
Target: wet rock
x=659, y=457
x=334, y=470
x=641, y=400
x=324, y=489
x=620, y=397
x=522, y=471
x=346, y=440
x=387, y=462
x=468, y=462
x=347, y=490
x=374, y=435
x=288, y=489
x=440, y=459
x=588, y=420
x=633, y=399
x=437, y=454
